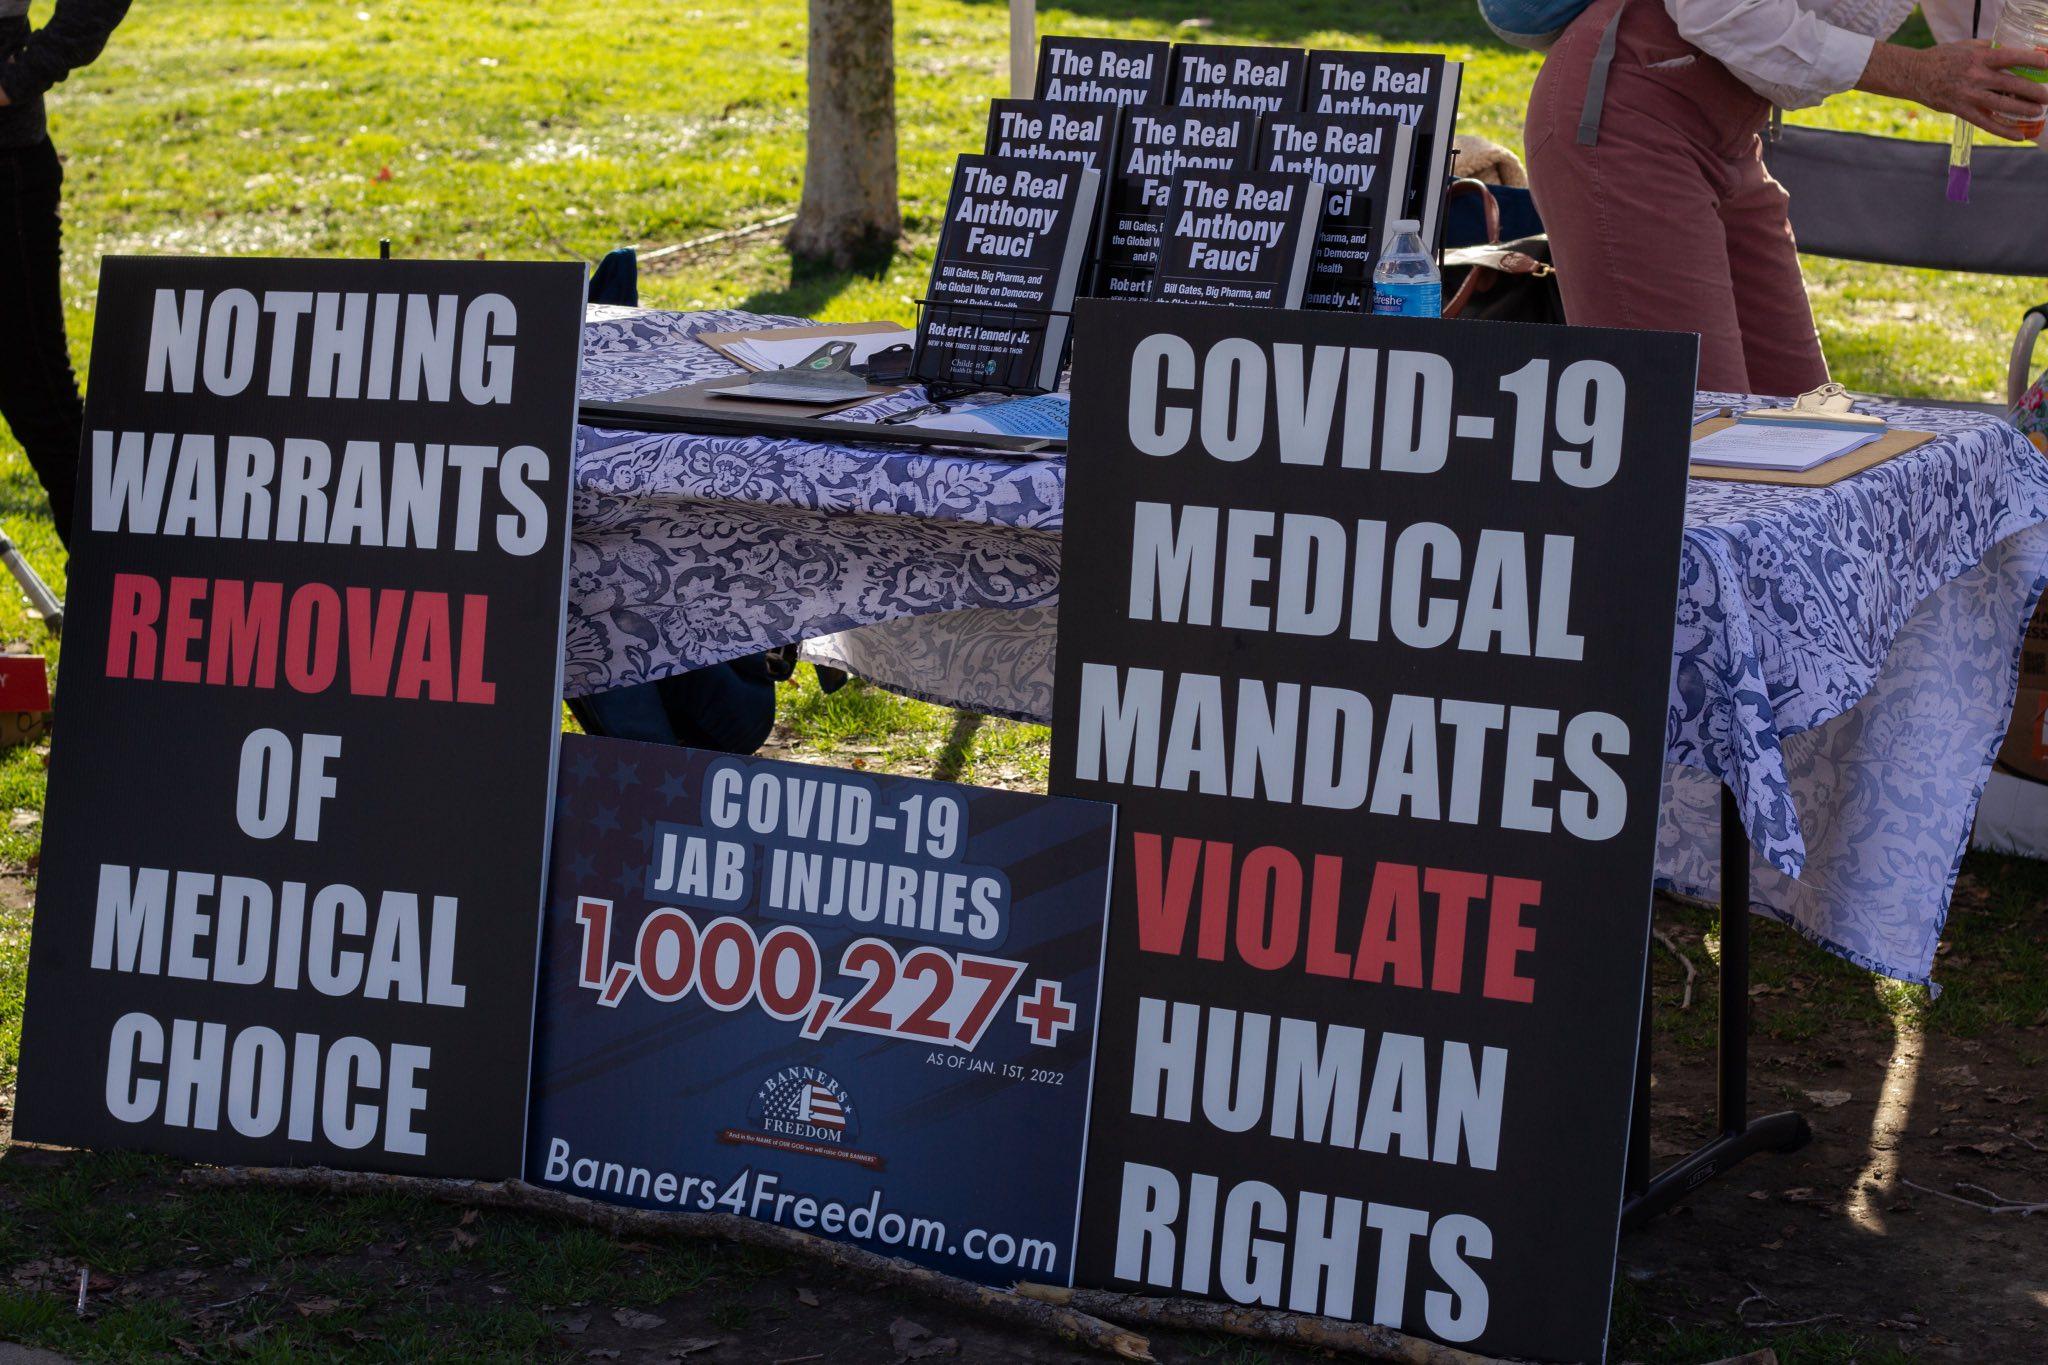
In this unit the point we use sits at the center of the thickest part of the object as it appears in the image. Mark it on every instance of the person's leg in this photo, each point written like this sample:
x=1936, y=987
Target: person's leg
x=626, y=713
x=1780, y=345
x=729, y=707
x=38, y=391
x=1633, y=226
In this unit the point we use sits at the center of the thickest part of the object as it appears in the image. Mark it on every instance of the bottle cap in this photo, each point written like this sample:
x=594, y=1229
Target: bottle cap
x=1406, y=225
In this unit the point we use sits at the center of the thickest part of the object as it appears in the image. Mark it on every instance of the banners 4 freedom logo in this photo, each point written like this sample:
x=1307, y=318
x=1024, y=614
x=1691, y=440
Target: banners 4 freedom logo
x=802, y=1109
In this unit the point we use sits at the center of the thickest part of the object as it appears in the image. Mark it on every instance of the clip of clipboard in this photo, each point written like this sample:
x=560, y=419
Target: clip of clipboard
x=1830, y=406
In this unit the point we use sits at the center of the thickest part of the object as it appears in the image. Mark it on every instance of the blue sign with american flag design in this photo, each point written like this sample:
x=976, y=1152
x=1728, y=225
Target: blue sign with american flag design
x=857, y=1005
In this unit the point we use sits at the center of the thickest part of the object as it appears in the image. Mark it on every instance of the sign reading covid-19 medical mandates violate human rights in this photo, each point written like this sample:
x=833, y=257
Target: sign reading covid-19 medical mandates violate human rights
x=1373, y=654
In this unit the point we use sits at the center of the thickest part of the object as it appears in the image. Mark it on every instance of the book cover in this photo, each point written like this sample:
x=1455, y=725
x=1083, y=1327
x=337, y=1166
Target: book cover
x=1362, y=162
x=1052, y=130
x=1102, y=70
x=1219, y=76
x=1238, y=238
x=1009, y=258
x=1419, y=88
x=1058, y=130
x=1154, y=143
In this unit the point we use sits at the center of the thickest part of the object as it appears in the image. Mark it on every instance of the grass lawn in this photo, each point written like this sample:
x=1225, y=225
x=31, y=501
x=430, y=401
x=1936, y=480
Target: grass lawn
x=557, y=127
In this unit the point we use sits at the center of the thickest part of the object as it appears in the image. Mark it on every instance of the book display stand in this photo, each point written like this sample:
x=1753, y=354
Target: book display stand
x=1018, y=377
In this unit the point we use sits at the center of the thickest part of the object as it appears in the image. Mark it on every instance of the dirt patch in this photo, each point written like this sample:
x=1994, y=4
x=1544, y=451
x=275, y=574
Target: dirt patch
x=1854, y=1233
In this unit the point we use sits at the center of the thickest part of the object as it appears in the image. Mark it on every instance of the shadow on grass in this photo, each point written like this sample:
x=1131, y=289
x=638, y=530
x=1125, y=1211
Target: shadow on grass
x=812, y=286
x=952, y=760
x=1423, y=22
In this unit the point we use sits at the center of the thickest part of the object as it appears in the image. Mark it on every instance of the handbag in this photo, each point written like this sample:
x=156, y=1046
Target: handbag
x=1501, y=281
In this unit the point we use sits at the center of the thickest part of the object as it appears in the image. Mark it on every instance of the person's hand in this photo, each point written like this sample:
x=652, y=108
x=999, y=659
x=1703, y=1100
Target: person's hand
x=1969, y=79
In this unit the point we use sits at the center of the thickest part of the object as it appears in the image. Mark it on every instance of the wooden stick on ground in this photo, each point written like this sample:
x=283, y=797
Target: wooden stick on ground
x=1059, y=1319
x=1361, y=1339
x=2023, y=1208
x=1691, y=972
x=727, y=235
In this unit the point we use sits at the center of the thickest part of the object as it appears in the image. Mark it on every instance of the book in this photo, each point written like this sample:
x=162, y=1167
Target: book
x=1240, y=238
x=1155, y=143
x=1052, y=130
x=1102, y=70
x=1419, y=88
x=1058, y=130
x=1219, y=76
x=1009, y=258
x=1042, y=415
x=1362, y=161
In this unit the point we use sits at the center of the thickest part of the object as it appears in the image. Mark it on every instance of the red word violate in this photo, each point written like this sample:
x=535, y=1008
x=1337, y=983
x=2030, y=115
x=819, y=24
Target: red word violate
x=1262, y=907
x=225, y=632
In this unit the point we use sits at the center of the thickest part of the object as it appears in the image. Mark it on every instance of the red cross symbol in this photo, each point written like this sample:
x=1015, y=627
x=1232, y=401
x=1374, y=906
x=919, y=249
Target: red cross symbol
x=1047, y=1013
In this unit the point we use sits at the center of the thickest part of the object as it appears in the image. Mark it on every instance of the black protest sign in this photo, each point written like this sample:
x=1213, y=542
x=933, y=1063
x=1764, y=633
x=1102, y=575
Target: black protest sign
x=300, y=788
x=1373, y=651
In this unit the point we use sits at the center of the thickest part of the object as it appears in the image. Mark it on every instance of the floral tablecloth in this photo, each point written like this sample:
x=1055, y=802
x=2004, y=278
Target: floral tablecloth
x=1844, y=658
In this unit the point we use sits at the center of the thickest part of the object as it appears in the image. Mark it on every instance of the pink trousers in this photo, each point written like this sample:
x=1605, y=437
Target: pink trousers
x=1669, y=220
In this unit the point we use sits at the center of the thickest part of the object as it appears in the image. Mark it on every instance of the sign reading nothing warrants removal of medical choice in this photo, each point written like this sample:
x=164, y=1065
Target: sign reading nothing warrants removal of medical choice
x=300, y=787
x=1374, y=657
x=855, y=1005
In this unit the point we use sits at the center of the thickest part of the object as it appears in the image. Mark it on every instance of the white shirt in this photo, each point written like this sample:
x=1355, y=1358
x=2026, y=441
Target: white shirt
x=1796, y=53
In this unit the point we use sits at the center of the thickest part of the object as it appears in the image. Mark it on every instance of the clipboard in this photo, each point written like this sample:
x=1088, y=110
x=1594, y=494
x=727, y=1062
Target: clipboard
x=1889, y=446
x=719, y=341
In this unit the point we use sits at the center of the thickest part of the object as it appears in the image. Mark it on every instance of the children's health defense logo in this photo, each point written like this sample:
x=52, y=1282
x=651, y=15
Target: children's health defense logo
x=803, y=1109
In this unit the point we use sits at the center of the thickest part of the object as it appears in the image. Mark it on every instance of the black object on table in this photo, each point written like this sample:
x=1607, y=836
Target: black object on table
x=669, y=412
x=1741, y=1136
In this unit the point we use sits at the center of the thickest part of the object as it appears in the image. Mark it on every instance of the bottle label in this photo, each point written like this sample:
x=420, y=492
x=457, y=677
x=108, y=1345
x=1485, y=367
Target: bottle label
x=1420, y=299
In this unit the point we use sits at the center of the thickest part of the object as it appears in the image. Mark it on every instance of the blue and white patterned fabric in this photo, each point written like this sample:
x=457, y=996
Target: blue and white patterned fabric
x=1844, y=658
x=693, y=549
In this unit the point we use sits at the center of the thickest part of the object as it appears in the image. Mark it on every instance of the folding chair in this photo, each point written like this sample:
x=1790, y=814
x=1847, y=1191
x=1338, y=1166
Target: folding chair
x=1856, y=197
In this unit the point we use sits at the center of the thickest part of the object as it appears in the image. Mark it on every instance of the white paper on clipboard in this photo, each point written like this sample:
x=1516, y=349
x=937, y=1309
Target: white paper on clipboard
x=1785, y=448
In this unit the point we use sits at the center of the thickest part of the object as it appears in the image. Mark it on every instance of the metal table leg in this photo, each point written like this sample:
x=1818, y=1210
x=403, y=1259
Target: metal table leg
x=1741, y=1136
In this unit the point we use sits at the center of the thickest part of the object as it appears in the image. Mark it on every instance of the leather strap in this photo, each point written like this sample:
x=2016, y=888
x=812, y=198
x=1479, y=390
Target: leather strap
x=1489, y=208
x=1465, y=187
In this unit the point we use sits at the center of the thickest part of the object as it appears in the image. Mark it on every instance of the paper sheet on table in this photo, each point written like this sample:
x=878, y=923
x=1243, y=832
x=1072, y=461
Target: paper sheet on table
x=783, y=352
x=1753, y=445
x=1044, y=414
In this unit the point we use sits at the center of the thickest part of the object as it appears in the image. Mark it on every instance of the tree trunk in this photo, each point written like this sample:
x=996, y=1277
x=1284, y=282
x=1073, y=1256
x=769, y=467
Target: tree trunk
x=849, y=209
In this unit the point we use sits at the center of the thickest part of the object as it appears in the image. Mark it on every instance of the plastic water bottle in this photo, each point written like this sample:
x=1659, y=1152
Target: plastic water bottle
x=1405, y=283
